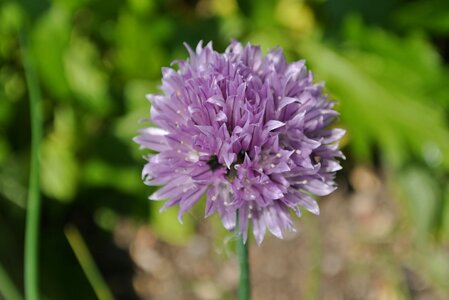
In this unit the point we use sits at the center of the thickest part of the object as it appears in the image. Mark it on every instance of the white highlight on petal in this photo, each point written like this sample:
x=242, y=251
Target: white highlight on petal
x=193, y=156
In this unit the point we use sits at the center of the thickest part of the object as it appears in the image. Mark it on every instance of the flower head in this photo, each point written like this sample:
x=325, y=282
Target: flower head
x=250, y=131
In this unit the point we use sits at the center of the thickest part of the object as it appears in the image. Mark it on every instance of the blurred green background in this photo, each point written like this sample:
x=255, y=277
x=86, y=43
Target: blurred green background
x=385, y=61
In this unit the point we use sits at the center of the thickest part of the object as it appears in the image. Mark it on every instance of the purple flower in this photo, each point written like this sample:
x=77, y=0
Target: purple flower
x=250, y=131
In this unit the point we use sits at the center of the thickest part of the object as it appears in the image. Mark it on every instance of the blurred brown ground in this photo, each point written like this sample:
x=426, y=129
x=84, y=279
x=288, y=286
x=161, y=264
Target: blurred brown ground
x=355, y=249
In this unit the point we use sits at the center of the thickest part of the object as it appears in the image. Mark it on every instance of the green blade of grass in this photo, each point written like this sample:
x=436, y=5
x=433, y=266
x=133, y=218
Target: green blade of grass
x=31, y=267
x=7, y=288
x=87, y=263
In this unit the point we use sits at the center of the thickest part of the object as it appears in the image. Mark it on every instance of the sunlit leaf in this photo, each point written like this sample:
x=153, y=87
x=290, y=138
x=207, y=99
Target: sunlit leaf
x=387, y=115
x=167, y=226
x=295, y=15
x=49, y=41
x=137, y=110
x=139, y=52
x=59, y=165
x=85, y=76
x=99, y=173
x=13, y=181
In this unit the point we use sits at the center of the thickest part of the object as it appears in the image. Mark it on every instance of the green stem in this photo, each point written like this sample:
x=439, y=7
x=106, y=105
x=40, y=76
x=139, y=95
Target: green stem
x=33, y=204
x=242, y=254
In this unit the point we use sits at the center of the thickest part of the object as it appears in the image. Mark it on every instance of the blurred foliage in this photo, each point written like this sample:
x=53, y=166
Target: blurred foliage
x=385, y=63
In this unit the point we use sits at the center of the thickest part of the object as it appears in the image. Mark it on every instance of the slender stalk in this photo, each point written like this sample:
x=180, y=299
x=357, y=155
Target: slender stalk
x=87, y=263
x=242, y=254
x=33, y=205
x=7, y=288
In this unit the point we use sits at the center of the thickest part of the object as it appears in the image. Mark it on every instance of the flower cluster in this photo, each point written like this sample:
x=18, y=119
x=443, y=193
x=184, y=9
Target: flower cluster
x=250, y=131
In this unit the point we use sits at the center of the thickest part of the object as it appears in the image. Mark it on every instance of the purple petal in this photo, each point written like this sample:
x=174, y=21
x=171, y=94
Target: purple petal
x=152, y=138
x=273, y=124
x=286, y=101
x=173, y=188
x=228, y=218
x=318, y=187
x=189, y=200
x=271, y=219
x=253, y=132
x=309, y=203
x=259, y=226
x=334, y=135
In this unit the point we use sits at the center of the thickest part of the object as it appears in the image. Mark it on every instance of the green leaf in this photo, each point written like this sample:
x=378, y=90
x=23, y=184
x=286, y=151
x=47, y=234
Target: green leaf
x=86, y=77
x=167, y=226
x=445, y=215
x=49, y=41
x=392, y=118
x=432, y=15
x=100, y=173
x=59, y=164
x=422, y=194
x=137, y=109
x=13, y=178
x=407, y=64
x=7, y=287
x=139, y=50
